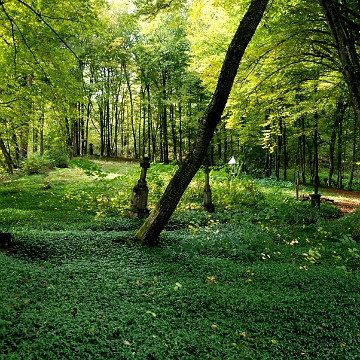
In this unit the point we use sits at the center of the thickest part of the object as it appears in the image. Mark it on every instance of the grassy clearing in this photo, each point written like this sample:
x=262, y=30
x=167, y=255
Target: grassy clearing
x=264, y=277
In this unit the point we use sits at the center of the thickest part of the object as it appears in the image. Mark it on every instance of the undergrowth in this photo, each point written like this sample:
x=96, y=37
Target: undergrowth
x=263, y=277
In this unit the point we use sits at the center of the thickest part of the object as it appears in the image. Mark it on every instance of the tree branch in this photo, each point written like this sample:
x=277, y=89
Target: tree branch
x=50, y=27
x=12, y=31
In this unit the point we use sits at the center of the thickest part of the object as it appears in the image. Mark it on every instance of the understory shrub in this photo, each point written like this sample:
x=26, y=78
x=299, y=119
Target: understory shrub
x=32, y=164
x=58, y=157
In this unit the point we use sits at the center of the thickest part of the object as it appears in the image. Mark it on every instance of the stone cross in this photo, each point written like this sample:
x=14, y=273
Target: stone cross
x=140, y=195
x=145, y=164
x=208, y=205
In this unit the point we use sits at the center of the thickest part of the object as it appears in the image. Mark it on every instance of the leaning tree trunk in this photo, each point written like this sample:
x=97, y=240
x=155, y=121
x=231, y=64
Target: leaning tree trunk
x=155, y=223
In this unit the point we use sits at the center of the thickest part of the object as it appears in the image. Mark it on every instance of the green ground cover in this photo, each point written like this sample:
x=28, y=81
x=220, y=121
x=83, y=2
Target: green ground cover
x=264, y=277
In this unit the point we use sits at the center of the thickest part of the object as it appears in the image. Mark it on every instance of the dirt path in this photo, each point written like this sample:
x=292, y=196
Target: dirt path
x=346, y=201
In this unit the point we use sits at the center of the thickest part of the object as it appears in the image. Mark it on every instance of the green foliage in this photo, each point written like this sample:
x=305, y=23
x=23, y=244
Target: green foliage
x=32, y=164
x=258, y=282
x=57, y=157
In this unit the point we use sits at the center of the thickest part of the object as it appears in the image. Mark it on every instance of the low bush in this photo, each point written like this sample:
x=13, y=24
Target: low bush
x=32, y=164
x=57, y=157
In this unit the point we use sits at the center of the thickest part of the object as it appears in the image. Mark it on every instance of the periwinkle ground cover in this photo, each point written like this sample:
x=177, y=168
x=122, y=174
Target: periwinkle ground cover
x=252, y=284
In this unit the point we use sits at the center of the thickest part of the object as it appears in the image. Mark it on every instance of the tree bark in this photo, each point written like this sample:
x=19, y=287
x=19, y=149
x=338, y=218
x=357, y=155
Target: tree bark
x=7, y=156
x=340, y=110
x=339, y=155
x=345, y=45
x=353, y=157
x=155, y=223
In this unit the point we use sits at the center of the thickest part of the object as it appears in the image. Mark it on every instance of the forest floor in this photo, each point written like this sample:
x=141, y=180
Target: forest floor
x=346, y=201
x=264, y=277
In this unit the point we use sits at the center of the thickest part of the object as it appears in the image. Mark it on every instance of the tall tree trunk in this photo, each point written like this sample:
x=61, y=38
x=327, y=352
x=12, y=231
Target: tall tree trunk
x=164, y=120
x=108, y=128
x=353, y=157
x=316, y=155
x=102, y=128
x=278, y=150
x=131, y=110
x=24, y=141
x=148, y=120
x=155, y=223
x=345, y=44
x=267, y=170
x=180, y=136
x=285, y=153
x=303, y=150
x=340, y=109
x=173, y=131
x=9, y=162
x=41, y=142
x=339, y=155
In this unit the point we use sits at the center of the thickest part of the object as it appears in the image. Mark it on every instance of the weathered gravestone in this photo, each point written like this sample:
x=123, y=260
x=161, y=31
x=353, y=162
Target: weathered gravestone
x=140, y=195
x=208, y=205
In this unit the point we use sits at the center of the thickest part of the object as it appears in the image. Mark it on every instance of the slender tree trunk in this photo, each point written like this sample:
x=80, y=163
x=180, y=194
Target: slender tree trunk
x=155, y=223
x=267, y=165
x=278, y=151
x=164, y=120
x=224, y=136
x=24, y=141
x=316, y=155
x=41, y=144
x=102, y=132
x=339, y=155
x=353, y=157
x=180, y=136
x=173, y=131
x=285, y=154
x=131, y=110
x=340, y=110
x=108, y=128
x=303, y=150
x=148, y=120
x=69, y=138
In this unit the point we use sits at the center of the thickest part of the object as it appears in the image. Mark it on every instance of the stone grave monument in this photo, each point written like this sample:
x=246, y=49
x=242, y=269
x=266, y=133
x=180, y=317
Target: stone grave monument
x=140, y=195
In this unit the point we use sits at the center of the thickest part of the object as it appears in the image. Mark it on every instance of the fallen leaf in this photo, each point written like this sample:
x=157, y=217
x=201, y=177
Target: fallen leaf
x=177, y=286
x=213, y=326
x=151, y=313
x=127, y=343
